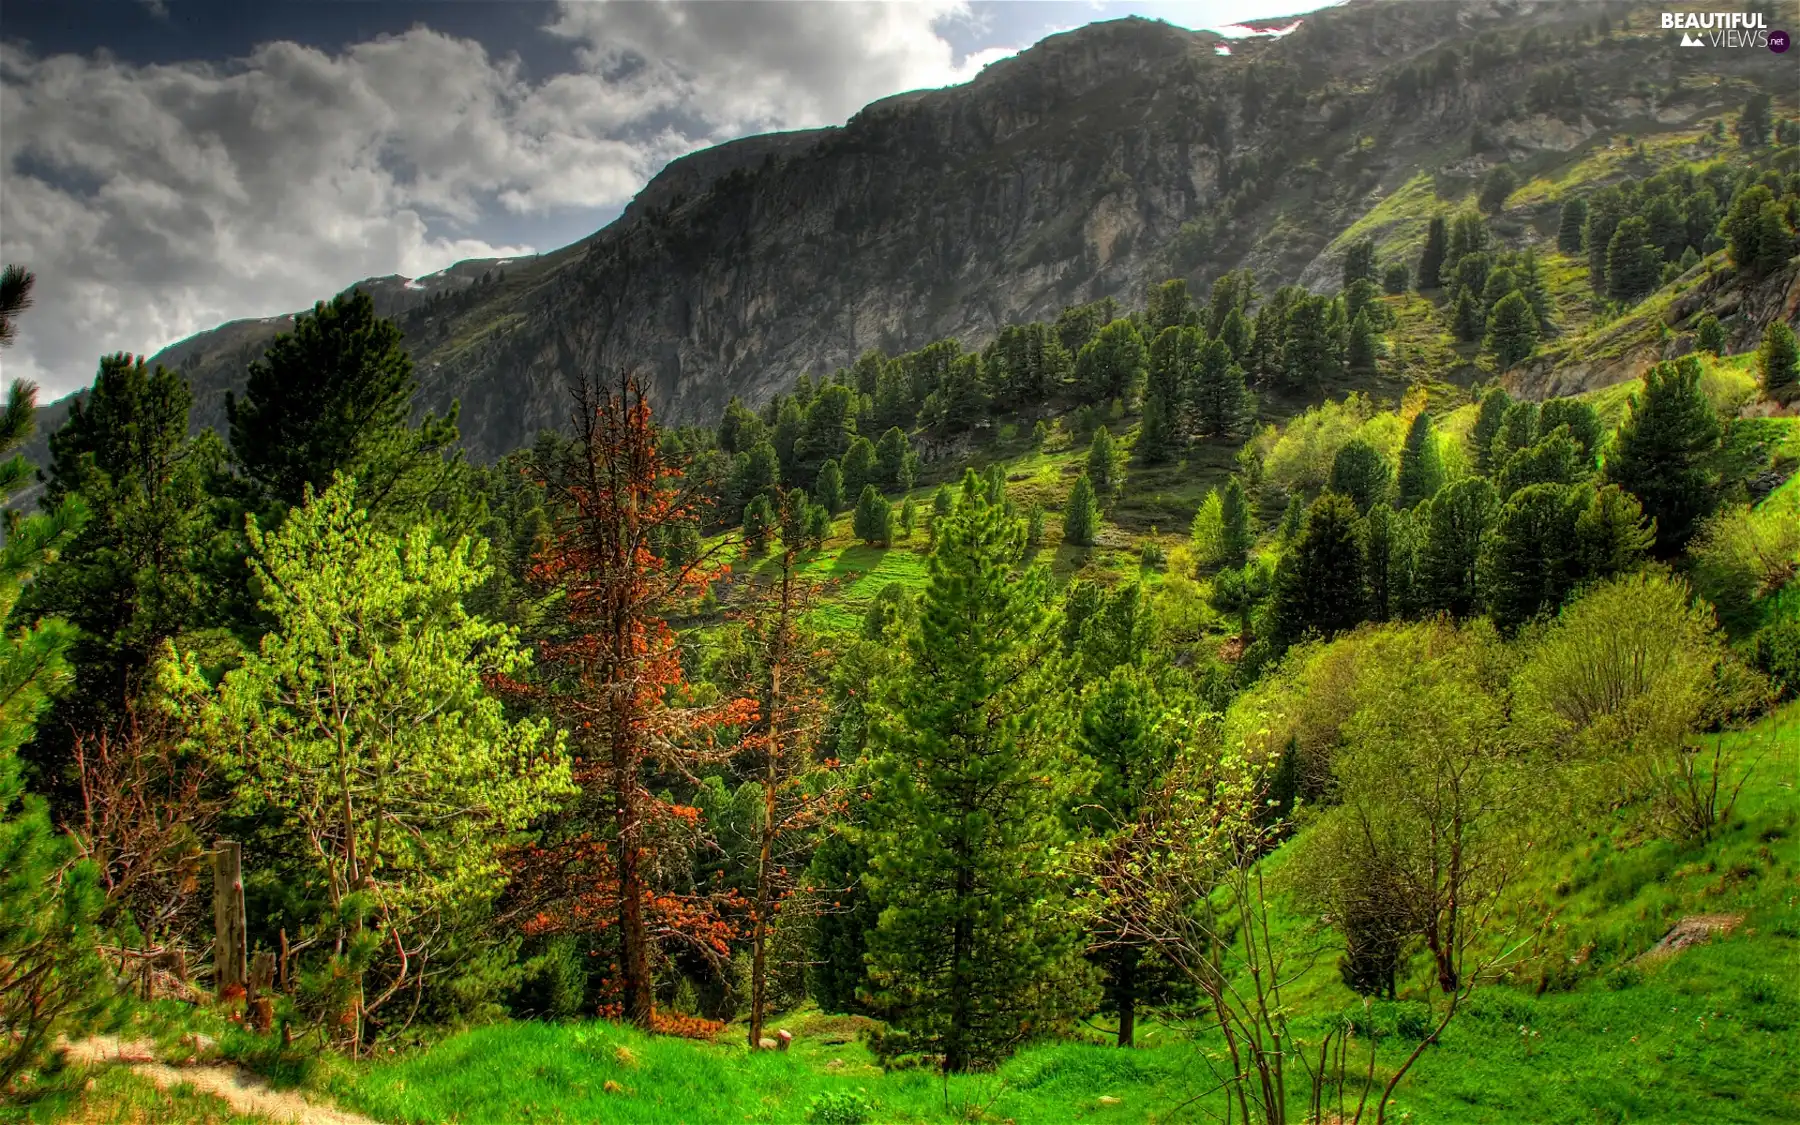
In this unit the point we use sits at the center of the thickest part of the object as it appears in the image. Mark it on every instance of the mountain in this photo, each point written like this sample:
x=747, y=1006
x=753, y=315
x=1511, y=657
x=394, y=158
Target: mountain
x=1092, y=164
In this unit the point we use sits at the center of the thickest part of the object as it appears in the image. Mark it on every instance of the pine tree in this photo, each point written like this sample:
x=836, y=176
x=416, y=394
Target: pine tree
x=1112, y=364
x=1709, y=335
x=1359, y=262
x=861, y=465
x=1518, y=431
x=830, y=487
x=1581, y=420
x=1360, y=353
x=1753, y=122
x=909, y=517
x=1126, y=754
x=1421, y=473
x=1466, y=317
x=1319, y=580
x=1234, y=333
x=1081, y=516
x=1360, y=473
x=894, y=455
x=1777, y=361
x=1530, y=559
x=52, y=980
x=1157, y=439
x=1633, y=266
x=759, y=525
x=1611, y=534
x=1221, y=401
x=1310, y=355
x=1456, y=526
x=1494, y=404
x=333, y=396
x=1207, y=532
x=1662, y=451
x=1293, y=518
x=1497, y=187
x=1757, y=232
x=136, y=574
x=974, y=943
x=873, y=522
x=1169, y=305
x=1173, y=358
x=16, y=284
x=1034, y=526
x=1512, y=332
x=1431, y=260
x=1103, y=463
x=1569, y=231
x=1395, y=279
x=1236, y=533
x=1388, y=562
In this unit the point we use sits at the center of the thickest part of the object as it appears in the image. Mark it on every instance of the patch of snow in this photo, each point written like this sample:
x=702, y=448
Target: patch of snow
x=413, y=283
x=503, y=261
x=1221, y=49
x=1239, y=31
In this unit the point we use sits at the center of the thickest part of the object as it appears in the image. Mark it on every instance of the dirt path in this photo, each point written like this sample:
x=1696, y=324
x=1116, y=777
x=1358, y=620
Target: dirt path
x=244, y=1092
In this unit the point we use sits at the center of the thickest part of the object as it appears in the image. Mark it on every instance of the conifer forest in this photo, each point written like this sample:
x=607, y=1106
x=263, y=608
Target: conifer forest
x=1362, y=687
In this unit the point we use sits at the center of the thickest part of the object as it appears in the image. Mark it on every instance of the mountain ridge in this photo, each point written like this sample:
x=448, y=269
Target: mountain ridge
x=1091, y=164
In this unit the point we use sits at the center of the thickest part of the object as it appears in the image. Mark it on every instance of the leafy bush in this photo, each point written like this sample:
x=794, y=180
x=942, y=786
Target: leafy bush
x=839, y=1107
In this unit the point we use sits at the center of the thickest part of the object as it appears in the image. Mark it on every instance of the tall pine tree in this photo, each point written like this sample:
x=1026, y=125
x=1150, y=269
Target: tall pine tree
x=974, y=944
x=1662, y=451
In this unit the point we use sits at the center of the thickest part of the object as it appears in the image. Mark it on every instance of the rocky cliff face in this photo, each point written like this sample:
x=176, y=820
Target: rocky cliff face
x=1093, y=164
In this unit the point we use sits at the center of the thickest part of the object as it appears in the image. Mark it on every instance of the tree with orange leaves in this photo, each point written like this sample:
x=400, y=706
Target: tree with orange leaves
x=798, y=791
x=613, y=676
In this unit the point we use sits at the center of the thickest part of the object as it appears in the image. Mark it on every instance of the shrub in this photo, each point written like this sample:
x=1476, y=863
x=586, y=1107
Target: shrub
x=839, y=1107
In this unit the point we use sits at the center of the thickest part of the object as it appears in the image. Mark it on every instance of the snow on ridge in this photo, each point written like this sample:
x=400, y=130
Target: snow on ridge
x=1239, y=31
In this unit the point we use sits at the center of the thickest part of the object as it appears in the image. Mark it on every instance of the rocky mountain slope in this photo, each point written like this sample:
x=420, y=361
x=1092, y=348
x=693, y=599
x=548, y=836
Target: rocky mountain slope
x=1096, y=162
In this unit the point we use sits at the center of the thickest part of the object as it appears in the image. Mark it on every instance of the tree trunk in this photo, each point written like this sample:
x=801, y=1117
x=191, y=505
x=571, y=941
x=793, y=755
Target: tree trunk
x=229, y=940
x=639, y=1001
x=1125, y=981
x=956, y=1044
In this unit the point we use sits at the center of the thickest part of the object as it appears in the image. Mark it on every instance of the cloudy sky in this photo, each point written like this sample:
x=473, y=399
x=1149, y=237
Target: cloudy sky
x=166, y=165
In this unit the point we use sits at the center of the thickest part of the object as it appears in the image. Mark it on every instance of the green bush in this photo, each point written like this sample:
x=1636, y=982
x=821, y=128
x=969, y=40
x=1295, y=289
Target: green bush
x=840, y=1107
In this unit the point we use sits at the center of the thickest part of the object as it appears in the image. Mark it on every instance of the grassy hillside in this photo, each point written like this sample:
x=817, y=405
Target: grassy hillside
x=1599, y=1024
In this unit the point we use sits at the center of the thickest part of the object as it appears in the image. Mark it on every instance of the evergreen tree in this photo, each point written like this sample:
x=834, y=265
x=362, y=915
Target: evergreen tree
x=1221, y=401
x=759, y=524
x=1431, y=260
x=1518, y=431
x=1040, y=435
x=1112, y=364
x=754, y=471
x=1319, y=580
x=1236, y=533
x=740, y=428
x=16, y=284
x=1309, y=353
x=1531, y=556
x=828, y=430
x=873, y=522
x=1395, y=279
x=1234, y=333
x=1157, y=436
x=1034, y=526
x=1169, y=305
x=1125, y=754
x=333, y=396
x=895, y=457
x=1081, y=517
x=136, y=573
x=1605, y=211
x=1709, y=335
x=1173, y=358
x=1580, y=419
x=1633, y=266
x=975, y=944
x=1512, y=332
x=1662, y=451
x=1494, y=404
x=1103, y=463
x=1207, y=532
x=1421, y=472
x=1389, y=562
x=1456, y=525
x=1361, y=351
x=1753, y=122
x=1466, y=317
x=1293, y=518
x=830, y=487
x=1611, y=534
x=51, y=978
x=861, y=465
x=1497, y=187
x=1569, y=232
x=1359, y=262
x=1777, y=361
x=1757, y=232
x=1362, y=474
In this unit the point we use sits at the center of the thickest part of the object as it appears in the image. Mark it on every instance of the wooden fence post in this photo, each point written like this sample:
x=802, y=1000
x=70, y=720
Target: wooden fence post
x=229, y=927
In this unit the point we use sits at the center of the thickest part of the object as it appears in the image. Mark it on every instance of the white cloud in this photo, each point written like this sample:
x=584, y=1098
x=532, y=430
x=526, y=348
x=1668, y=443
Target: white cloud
x=156, y=201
